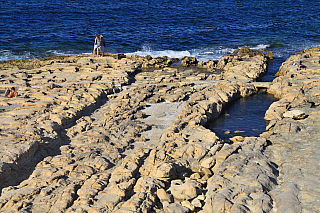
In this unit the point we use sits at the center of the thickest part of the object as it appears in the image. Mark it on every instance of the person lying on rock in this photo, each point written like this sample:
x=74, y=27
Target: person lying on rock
x=11, y=93
x=300, y=65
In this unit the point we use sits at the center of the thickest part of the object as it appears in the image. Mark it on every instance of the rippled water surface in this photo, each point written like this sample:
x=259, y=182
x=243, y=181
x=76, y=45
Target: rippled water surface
x=205, y=29
x=243, y=117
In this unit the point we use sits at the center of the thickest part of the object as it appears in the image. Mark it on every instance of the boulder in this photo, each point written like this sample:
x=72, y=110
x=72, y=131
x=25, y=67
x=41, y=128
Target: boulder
x=164, y=196
x=295, y=114
x=270, y=55
x=176, y=208
x=183, y=192
x=237, y=138
x=208, y=162
x=188, y=61
x=244, y=50
x=187, y=204
x=197, y=203
x=163, y=170
x=195, y=176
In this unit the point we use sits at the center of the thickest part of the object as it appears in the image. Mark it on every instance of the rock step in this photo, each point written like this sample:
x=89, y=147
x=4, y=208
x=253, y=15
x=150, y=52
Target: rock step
x=44, y=136
x=107, y=164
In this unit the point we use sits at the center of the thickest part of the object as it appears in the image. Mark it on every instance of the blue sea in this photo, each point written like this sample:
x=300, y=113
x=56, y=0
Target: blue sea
x=206, y=29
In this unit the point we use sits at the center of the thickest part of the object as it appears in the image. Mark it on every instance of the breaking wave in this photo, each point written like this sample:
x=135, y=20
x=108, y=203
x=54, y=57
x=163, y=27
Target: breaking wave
x=202, y=54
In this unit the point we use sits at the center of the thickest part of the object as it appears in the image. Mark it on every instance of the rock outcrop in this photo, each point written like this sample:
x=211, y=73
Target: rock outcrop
x=293, y=132
x=125, y=133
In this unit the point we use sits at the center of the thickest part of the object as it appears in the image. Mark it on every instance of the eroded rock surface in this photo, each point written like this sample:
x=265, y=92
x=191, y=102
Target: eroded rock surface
x=293, y=132
x=125, y=133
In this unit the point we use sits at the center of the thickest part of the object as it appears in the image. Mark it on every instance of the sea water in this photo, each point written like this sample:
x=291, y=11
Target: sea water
x=243, y=117
x=206, y=29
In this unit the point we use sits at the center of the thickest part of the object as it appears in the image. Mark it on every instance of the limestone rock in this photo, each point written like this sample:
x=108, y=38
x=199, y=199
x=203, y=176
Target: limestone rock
x=236, y=139
x=163, y=170
x=188, y=61
x=195, y=176
x=187, y=204
x=164, y=196
x=287, y=126
x=183, y=192
x=208, y=163
x=196, y=203
x=176, y=208
x=295, y=114
x=80, y=129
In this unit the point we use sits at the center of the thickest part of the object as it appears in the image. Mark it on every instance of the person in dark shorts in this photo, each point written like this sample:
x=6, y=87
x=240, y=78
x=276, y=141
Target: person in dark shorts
x=102, y=44
x=302, y=66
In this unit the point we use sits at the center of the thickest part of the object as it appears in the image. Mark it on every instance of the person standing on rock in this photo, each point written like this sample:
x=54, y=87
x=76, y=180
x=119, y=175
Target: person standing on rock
x=96, y=45
x=103, y=44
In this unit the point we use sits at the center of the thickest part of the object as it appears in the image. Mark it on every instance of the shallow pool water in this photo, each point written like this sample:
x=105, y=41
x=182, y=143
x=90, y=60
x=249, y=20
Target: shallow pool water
x=243, y=117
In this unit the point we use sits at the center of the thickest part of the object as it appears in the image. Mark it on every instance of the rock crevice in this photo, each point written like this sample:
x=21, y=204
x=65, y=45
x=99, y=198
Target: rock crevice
x=146, y=148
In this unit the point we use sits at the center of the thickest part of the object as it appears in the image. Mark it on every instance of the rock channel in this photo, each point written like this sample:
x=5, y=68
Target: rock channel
x=125, y=133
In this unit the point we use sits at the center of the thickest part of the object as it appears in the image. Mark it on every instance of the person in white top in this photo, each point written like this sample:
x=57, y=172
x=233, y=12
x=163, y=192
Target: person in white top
x=96, y=45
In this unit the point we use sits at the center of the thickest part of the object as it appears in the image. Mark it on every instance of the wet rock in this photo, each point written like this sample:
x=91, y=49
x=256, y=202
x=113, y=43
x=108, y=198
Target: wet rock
x=270, y=55
x=188, y=61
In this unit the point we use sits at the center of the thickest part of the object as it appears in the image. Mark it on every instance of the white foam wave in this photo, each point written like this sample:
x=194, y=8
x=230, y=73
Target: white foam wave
x=217, y=52
x=169, y=53
x=6, y=55
x=202, y=54
x=260, y=46
x=211, y=53
x=147, y=50
x=58, y=53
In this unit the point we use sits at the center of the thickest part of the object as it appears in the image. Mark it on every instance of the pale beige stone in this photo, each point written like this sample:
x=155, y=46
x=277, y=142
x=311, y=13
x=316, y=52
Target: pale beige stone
x=208, y=163
x=187, y=204
x=196, y=203
x=164, y=196
x=295, y=114
x=111, y=164
x=183, y=192
x=176, y=208
x=195, y=176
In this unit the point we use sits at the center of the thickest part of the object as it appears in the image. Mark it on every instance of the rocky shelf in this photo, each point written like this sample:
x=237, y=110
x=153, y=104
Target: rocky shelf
x=125, y=133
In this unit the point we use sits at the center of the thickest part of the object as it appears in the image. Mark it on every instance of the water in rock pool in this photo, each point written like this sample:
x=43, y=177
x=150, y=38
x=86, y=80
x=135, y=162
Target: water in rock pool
x=243, y=117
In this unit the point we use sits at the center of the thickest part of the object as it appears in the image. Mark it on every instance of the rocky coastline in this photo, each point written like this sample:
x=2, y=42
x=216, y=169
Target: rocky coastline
x=126, y=133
